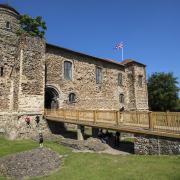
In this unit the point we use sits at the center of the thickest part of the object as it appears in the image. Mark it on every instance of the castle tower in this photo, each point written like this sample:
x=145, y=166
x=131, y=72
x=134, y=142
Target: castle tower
x=9, y=19
x=22, y=66
x=22, y=82
x=9, y=41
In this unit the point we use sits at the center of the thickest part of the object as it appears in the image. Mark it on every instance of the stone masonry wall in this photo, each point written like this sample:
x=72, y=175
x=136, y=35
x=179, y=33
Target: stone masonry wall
x=9, y=42
x=32, y=76
x=22, y=84
x=129, y=88
x=137, y=96
x=89, y=95
x=14, y=126
x=148, y=144
x=141, y=94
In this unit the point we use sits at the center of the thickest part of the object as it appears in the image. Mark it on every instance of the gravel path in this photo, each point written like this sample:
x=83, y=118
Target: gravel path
x=37, y=162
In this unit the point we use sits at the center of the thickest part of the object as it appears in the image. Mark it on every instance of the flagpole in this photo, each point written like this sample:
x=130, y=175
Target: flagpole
x=122, y=53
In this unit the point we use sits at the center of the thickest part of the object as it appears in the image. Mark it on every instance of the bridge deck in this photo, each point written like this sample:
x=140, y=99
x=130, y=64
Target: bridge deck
x=152, y=123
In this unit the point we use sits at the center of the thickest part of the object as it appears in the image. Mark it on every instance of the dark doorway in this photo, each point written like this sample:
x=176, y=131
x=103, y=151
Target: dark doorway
x=51, y=98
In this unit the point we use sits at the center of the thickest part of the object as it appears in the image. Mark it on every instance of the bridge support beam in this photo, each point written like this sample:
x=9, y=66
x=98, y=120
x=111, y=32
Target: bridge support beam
x=95, y=132
x=80, y=132
x=150, y=144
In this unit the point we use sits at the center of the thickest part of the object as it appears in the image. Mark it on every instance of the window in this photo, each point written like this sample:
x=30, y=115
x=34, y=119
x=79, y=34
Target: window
x=98, y=75
x=140, y=80
x=120, y=79
x=8, y=25
x=67, y=70
x=1, y=71
x=121, y=98
x=72, y=97
x=130, y=78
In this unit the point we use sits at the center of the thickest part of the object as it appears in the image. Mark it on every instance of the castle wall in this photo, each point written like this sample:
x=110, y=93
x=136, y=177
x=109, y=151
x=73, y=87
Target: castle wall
x=156, y=145
x=141, y=94
x=13, y=125
x=9, y=43
x=32, y=77
x=89, y=95
x=22, y=82
x=137, y=96
x=129, y=88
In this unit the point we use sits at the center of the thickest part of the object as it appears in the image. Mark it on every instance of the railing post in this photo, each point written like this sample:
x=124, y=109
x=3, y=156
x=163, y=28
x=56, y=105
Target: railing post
x=117, y=118
x=137, y=117
x=167, y=120
x=77, y=115
x=151, y=123
x=122, y=117
x=95, y=116
x=64, y=114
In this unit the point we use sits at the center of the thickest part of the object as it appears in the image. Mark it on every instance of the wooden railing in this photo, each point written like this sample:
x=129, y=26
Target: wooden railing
x=152, y=121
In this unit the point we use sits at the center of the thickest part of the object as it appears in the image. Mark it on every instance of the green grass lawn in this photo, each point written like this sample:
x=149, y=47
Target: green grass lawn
x=92, y=166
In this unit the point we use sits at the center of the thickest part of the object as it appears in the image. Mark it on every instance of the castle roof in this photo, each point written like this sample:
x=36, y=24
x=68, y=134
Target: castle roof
x=80, y=53
x=130, y=61
x=123, y=63
x=5, y=6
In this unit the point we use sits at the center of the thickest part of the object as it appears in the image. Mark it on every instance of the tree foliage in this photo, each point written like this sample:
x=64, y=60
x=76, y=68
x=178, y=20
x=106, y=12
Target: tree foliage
x=163, y=92
x=178, y=106
x=33, y=26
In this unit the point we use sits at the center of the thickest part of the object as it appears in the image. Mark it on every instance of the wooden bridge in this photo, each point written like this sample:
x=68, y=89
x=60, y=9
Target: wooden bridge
x=165, y=124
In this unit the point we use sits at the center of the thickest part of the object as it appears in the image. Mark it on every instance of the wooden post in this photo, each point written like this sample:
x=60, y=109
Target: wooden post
x=151, y=124
x=80, y=132
x=167, y=120
x=77, y=115
x=121, y=117
x=95, y=116
x=138, y=114
x=64, y=114
x=117, y=118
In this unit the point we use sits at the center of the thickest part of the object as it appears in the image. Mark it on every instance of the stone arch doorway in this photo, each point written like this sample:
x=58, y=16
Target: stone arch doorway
x=51, y=98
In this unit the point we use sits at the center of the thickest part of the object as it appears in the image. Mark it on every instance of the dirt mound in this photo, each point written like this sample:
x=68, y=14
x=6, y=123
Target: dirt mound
x=37, y=162
x=91, y=144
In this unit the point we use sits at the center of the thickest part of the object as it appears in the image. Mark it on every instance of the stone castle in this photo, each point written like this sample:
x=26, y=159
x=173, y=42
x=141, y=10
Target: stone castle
x=35, y=75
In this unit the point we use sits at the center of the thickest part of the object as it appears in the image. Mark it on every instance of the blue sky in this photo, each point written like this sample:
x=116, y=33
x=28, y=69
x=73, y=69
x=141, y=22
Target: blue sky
x=150, y=29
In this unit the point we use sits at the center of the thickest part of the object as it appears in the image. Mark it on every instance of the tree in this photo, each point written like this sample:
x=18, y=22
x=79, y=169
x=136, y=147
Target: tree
x=178, y=106
x=163, y=91
x=33, y=26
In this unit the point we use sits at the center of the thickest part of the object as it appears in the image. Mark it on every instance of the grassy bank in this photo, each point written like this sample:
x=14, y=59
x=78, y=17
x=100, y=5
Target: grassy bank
x=94, y=166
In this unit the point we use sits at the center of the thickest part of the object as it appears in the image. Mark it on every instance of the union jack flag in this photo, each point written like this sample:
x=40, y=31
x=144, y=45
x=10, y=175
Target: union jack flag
x=119, y=45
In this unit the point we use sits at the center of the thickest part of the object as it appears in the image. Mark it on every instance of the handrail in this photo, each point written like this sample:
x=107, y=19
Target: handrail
x=153, y=121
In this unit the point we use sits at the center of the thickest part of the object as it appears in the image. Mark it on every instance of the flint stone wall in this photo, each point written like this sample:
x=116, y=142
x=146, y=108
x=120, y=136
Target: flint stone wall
x=90, y=95
x=148, y=144
x=9, y=43
x=32, y=76
x=14, y=126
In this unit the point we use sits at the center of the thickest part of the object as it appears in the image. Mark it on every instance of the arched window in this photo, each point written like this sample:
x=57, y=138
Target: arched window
x=121, y=98
x=72, y=97
x=8, y=26
x=120, y=79
x=67, y=70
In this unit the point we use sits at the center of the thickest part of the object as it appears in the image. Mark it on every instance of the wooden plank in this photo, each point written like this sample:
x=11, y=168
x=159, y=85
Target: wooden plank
x=155, y=121
x=151, y=126
x=129, y=129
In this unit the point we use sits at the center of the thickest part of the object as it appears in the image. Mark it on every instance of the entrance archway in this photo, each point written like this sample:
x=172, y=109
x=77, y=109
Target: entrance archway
x=51, y=98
